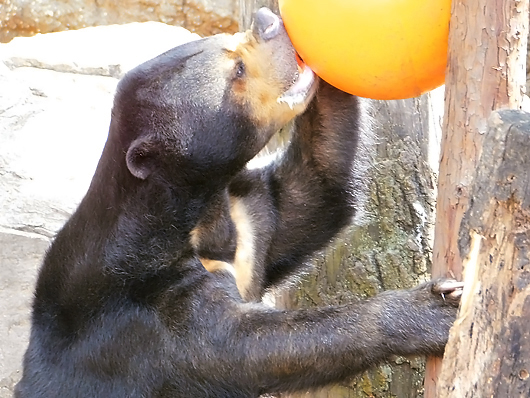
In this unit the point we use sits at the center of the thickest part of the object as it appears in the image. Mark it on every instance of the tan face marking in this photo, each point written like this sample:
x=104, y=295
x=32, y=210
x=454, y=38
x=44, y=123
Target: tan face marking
x=258, y=89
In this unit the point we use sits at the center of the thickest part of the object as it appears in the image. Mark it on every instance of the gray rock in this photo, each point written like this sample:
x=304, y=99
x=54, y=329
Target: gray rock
x=103, y=51
x=55, y=102
x=20, y=254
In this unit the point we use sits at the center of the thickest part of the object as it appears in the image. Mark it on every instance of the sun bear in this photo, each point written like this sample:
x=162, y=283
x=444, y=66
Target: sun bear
x=123, y=305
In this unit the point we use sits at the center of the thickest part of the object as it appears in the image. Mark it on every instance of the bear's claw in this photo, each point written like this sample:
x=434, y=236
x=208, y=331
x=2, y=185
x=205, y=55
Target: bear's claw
x=449, y=289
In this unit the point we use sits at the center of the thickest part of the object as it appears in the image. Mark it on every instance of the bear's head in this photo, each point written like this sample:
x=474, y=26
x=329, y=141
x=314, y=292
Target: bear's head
x=201, y=111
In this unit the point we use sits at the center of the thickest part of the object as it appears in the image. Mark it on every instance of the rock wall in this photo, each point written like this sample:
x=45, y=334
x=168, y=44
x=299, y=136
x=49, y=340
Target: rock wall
x=55, y=100
x=26, y=18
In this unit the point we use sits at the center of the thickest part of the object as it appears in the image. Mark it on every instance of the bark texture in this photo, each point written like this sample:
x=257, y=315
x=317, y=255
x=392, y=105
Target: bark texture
x=486, y=71
x=489, y=350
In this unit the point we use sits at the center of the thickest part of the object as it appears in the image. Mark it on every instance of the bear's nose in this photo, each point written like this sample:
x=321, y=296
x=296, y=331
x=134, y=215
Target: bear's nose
x=267, y=23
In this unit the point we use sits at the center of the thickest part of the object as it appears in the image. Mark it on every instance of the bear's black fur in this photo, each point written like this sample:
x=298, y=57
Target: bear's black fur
x=123, y=305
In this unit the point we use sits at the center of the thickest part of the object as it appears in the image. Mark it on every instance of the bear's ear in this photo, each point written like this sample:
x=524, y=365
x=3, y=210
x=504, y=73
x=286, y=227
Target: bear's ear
x=140, y=158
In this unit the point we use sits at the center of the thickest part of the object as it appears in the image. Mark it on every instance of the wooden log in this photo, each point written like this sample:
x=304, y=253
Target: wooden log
x=486, y=71
x=489, y=350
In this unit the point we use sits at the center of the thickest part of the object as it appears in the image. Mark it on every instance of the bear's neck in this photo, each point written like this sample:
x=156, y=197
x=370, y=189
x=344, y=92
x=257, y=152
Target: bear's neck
x=126, y=226
x=135, y=231
x=147, y=220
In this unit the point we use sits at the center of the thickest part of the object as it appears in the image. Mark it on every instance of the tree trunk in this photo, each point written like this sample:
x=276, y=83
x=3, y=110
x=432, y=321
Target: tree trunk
x=489, y=354
x=486, y=71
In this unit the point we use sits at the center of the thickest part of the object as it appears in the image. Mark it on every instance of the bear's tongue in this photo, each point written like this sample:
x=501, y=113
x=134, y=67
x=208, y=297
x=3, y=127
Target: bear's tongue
x=301, y=87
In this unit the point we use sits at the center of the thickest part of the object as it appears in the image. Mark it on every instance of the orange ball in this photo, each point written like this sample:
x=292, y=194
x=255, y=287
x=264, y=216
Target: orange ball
x=380, y=49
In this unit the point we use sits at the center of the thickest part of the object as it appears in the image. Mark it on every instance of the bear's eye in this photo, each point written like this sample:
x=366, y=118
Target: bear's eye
x=240, y=69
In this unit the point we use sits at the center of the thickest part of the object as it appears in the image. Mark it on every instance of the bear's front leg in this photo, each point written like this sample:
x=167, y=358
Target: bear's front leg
x=417, y=321
x=262, y=350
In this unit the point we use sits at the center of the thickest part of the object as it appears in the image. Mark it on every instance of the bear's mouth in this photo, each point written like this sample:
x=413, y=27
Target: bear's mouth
x=302, y=88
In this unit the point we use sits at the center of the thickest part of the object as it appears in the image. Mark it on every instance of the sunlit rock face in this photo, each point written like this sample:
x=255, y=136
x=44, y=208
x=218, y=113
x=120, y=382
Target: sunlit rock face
x=27, y=18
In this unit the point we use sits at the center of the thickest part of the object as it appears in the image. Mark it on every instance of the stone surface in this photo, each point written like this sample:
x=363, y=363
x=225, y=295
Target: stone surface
x=26, y=18
x=104, y=51
x=55, y=102
x=20, y=254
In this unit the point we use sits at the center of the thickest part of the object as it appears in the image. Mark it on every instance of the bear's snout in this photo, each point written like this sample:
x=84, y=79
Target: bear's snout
x=267, y=24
